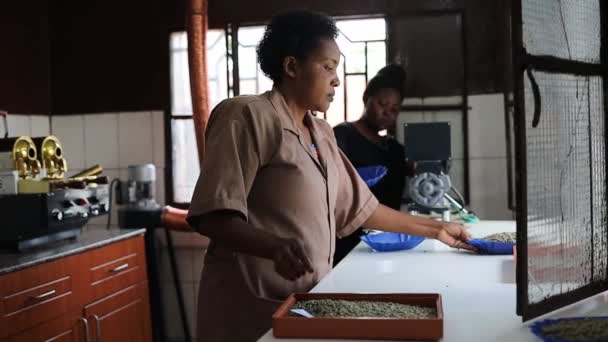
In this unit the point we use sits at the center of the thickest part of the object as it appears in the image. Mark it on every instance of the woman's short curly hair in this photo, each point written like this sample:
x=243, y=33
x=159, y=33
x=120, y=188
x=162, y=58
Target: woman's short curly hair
x=294, y=33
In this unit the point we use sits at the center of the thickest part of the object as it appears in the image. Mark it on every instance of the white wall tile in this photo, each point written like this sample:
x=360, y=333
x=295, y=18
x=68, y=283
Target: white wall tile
x=489, y=188
x=184, y=261
x=123, y=173
x=487, y=126
x=40, y=125
x=101, y=135
x=158, y=138
x=198, y=260
x=18, y=125
x=445, y=100
x=412, y=101
x=70, y=131
x=135, y=139
x=173, y=317
x=160, y=185
x=194, y=321
x=457, y=175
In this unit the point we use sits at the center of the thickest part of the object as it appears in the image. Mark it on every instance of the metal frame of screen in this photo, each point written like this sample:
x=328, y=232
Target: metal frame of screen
x=523, y=62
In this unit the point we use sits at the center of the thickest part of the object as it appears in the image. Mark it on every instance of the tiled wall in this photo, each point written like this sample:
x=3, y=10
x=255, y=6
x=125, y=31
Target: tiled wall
x=487, y=149
x=30, y=125
x=115, y=141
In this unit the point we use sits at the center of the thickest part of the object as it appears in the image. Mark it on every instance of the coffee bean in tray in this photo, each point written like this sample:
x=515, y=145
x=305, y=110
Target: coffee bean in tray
x=588, y=329
x=501, y=237
x=351, y=308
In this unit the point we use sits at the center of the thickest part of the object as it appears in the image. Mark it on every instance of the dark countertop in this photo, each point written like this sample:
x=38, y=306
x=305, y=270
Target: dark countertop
x=90, y=238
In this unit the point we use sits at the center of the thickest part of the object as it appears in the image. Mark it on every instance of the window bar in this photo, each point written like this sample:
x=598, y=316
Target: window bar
x=236, y=84
x=591, y=207
x=345, y=88
x=257, y=79
x=465, y=108
x=228, y=33
x=366, y=61
x=519, y=125
x=604, y=61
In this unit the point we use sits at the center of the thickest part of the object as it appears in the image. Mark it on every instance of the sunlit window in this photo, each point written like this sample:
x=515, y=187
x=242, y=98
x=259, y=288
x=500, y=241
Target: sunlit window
x=362, y=43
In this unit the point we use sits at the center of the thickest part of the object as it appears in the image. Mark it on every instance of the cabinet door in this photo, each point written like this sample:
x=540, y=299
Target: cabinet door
x=70, y=327
x=115, y=267
x=38, y=294
x=122, y=316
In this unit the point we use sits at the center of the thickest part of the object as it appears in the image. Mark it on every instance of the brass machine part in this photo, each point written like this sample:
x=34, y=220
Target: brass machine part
x=34, y=186
x=92, y=171
x=51, y=155
x=23, y=153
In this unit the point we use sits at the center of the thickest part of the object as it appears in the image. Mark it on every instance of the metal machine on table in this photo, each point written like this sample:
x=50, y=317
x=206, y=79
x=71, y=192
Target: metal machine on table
x=38, y=204
x=428, y=147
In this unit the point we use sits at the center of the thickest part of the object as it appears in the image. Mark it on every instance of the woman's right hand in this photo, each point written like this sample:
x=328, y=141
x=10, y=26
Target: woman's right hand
x=290, y=259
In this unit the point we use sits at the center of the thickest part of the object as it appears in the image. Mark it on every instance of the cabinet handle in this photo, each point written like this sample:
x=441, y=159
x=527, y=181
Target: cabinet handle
x=86, y=328
x=119, y=268
x=97, y=328
x=44, y=295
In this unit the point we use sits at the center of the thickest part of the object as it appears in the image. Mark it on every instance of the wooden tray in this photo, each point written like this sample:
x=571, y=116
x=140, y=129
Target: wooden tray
x=376, y=328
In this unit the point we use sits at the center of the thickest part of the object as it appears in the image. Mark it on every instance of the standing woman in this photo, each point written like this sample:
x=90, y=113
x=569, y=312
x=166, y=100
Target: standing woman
x=362, y=143
x=275, y=190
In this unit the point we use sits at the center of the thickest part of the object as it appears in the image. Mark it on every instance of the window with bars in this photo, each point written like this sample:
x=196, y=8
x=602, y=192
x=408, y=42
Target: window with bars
x=232, y=69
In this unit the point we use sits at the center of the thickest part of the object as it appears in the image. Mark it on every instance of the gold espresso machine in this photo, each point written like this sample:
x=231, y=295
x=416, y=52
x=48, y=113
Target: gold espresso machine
x=19, y=154
x=51, y=156
x=47, y=206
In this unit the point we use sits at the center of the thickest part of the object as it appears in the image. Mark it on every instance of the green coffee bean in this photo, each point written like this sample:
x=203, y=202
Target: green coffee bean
x=352, y=308
x=588, y=329
x=501, y=237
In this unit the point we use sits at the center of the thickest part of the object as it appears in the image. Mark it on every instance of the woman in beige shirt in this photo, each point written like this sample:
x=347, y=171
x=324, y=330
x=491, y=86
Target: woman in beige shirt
x=275, y=190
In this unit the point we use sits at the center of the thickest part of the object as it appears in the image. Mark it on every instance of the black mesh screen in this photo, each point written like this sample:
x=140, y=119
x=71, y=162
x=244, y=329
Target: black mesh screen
x=561, y=154
x=569, y=29
x=566, y=185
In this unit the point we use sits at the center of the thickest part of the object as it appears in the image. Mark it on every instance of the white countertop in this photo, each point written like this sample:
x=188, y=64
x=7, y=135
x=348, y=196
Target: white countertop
x=478, y=291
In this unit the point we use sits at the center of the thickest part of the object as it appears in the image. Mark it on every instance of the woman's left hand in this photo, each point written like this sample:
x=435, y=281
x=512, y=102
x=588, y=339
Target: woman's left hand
x=454, y=235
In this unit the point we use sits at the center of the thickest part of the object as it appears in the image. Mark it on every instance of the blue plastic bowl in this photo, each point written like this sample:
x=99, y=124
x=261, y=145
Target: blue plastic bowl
x=492, y=247
x=372, y=174
x=536, y=328
x=386, y=242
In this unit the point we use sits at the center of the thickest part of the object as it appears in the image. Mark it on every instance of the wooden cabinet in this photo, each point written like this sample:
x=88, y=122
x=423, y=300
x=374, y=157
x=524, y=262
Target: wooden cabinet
x=99, y=295
x=66, y=328
x=121, y=316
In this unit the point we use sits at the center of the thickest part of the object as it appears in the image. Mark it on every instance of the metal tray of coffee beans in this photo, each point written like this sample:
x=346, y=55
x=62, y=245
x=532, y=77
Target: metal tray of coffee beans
x=380, y=316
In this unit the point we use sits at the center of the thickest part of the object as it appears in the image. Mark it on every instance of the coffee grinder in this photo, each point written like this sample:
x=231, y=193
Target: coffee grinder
x=137, y=198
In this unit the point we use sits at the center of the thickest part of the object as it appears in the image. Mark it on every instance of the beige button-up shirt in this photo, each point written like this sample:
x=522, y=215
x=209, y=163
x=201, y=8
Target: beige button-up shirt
x=258, y=164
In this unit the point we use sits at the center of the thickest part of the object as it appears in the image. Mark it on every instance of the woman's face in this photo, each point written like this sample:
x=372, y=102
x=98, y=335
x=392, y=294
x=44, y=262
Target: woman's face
x=316, y=76
x=382, y=109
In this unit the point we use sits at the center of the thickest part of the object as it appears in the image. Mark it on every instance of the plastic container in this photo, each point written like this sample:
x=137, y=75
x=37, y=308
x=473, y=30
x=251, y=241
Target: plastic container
x=492, y=247
x=386, y=242
x=372, y=174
